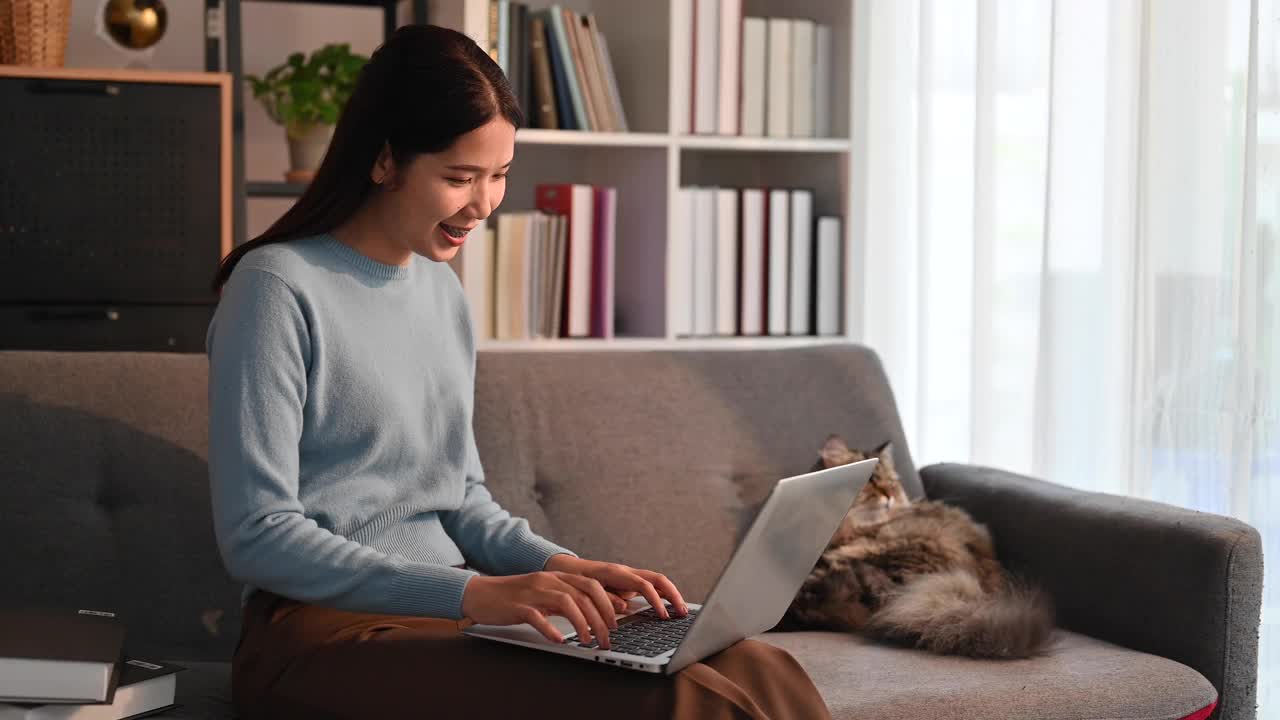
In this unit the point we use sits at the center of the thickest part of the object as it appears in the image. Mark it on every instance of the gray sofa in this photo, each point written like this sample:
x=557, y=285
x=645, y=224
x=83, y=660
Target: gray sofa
x=651, y=458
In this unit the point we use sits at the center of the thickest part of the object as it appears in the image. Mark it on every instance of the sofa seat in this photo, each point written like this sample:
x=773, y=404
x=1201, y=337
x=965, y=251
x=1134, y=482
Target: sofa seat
x=1078, y=678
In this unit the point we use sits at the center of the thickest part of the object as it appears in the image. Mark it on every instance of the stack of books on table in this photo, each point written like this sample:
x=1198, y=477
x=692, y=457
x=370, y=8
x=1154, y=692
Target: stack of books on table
x=68, y=664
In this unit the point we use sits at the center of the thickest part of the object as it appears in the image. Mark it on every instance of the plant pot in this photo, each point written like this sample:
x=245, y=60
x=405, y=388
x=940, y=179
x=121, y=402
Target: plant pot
x=307, y=145
x=34, y=32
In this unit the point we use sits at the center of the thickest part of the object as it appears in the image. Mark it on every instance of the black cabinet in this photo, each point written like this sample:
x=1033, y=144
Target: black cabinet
x=114, y=207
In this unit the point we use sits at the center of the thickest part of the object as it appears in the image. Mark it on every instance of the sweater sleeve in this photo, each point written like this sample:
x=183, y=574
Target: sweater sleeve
x=489, y=536
x=259, y=352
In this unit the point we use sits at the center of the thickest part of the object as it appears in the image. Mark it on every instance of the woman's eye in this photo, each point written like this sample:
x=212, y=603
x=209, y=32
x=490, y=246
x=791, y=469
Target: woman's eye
x=458, y=181
x=500, y=176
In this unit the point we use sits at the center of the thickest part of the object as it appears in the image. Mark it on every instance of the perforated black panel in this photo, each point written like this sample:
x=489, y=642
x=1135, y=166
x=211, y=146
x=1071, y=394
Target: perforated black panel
x=109, y=191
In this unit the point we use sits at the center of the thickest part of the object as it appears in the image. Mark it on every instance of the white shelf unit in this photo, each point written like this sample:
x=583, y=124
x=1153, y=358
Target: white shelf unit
x=651, y=163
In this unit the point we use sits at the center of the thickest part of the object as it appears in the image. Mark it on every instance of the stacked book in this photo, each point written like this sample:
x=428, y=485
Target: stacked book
x=60, y=664
x=755, y=261
x=558, y=63
x=755, y=76
x=548, y=272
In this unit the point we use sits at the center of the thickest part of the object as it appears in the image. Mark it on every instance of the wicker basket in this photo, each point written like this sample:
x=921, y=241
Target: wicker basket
x=34, y=32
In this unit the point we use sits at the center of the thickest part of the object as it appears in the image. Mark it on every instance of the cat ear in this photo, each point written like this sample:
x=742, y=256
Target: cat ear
x=885, y=453
x=835, y=451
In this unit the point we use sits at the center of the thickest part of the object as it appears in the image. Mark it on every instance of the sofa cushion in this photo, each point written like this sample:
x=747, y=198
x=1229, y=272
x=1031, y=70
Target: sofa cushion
x=1079, y=677
x=106, y=496
x=668, y=476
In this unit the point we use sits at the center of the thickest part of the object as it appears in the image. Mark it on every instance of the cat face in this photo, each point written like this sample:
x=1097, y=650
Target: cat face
x=882, y=494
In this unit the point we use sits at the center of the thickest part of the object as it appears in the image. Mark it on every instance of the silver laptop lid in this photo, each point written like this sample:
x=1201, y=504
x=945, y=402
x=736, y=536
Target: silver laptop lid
x=777, y=553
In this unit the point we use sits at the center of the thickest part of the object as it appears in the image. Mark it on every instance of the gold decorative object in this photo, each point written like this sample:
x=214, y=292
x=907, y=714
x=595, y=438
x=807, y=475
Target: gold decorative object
x=135, y=24
x=34, y=32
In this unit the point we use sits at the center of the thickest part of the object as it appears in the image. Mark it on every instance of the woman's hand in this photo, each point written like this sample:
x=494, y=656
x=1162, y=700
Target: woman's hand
x=530, y=598
x=624, y=582
x=587, y=593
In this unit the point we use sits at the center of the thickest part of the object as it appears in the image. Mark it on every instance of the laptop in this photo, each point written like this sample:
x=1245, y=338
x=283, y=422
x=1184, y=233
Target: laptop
x=751, y=595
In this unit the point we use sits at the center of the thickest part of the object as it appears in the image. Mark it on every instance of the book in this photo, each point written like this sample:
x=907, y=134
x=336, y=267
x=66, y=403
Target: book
x=706, y=66
x=778, y=82
x=145, y=688
x=575, y=202
x=802, y=85
x=726, y=260
x=755, y=50
x=827, y=275
x=544, y=92
x=729, y=82
x=681, y=71
x=752, y=263
x=778, y=254
x=50, y=655
x=822, y=88
x=801, y=320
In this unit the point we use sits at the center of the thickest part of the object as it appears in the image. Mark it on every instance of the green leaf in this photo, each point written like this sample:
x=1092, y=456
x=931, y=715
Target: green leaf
x=310, y=89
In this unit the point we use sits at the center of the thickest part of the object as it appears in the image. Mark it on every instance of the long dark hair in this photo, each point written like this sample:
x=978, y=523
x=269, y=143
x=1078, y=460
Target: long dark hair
x=422, y=89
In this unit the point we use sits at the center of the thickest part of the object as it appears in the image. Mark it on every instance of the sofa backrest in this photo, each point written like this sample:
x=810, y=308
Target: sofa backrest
x=656, y=459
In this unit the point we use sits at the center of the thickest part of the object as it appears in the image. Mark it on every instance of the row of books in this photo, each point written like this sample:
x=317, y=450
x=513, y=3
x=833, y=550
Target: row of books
x=756, y=261
x=62, y=664
x=549, y=272
x=558, y=63
x=755, y=76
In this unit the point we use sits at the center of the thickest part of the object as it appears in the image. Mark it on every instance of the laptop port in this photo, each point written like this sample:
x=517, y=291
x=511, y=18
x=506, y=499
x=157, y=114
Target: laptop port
x=625, y=663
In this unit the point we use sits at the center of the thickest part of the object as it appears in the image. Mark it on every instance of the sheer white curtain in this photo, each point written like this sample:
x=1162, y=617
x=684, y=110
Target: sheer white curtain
x=1068, y=217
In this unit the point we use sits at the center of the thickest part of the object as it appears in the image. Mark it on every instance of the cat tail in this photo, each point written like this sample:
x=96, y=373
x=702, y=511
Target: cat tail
x=949, y=613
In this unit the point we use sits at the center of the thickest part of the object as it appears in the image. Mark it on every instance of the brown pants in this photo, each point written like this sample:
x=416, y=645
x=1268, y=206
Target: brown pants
x=297, y=660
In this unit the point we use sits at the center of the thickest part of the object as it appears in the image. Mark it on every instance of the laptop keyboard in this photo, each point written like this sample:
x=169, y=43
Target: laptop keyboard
x=647, y=634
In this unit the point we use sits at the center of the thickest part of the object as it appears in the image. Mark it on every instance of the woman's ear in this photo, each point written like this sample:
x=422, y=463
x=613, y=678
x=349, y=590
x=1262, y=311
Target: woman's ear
x=383, y=172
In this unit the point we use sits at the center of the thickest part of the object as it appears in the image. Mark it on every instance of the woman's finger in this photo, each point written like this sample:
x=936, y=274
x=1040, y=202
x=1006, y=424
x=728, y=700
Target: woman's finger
x=650, y=593
x=540, y=623
x=599, y=626
x=598, y=596
x=667, y=588
x=564, y=604
x=619, y=604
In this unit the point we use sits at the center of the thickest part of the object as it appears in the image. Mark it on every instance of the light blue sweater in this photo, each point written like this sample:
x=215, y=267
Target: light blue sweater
x=342, y=463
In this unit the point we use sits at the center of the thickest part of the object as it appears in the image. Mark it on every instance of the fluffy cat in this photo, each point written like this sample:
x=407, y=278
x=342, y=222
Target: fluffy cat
x=922, y=574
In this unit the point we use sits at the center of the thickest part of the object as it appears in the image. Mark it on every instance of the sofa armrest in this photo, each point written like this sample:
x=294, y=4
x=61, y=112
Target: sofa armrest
x=1164, y=580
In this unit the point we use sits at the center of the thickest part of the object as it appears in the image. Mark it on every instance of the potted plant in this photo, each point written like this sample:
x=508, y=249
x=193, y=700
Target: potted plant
x=305, y=95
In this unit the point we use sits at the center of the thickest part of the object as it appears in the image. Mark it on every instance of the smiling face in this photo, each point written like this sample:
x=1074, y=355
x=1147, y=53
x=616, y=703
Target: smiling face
x=429, y=206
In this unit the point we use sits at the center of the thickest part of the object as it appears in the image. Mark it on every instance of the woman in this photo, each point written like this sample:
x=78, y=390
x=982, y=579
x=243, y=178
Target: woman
x=347, y=491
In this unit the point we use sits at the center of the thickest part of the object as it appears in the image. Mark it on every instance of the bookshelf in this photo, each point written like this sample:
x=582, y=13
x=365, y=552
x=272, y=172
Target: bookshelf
x=649, y=165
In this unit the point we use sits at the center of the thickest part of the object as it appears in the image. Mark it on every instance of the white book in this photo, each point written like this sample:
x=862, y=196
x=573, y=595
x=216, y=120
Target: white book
x=801, y=320
x=681, y=71
x=533, y=288
x=704, y=265
x=726, y=261
x=802, y=54
x=755, y=49
x=682, y=264
x=779, y=260
x=476, y=273
x=145, y=688
x=822, y=83
x=752, y=278
x=730, y=65
x=778, y=86
x=828, y=263
x=706, y=66
x=581, y=226
x=503, y=280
